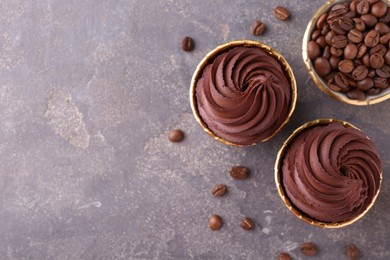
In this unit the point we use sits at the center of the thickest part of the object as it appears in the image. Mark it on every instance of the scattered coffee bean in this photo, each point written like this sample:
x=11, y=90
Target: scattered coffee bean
x=187, y=44
x=257, y=28
x=284, y=256
x=352, y=252
x=176, y=135
x=247, y=224
x=215, y=222
x=281, y=13
x=220, y=189
x=239, y=172
x=309, y=249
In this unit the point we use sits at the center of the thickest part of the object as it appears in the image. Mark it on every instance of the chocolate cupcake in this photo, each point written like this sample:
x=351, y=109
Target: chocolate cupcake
x=328, y=173
x=243, y=93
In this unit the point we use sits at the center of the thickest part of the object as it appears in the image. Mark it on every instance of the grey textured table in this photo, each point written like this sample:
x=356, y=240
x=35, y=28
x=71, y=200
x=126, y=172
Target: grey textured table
x=88, y=91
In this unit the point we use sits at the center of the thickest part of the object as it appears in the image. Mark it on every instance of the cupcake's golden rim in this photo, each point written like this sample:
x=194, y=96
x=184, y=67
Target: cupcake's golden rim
x=278, y=179
x=222, y=48
x=321, y=84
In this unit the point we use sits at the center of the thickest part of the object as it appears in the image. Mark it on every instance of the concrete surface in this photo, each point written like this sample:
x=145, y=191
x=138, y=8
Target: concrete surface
x=88, y=91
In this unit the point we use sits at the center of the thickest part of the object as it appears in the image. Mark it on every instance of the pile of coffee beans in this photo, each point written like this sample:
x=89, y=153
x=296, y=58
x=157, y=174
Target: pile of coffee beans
x=350, y=48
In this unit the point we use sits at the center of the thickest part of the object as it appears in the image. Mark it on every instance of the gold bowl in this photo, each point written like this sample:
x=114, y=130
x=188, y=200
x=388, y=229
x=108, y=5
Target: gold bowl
x=278, y=179
x=209, y=58
x=321, y=84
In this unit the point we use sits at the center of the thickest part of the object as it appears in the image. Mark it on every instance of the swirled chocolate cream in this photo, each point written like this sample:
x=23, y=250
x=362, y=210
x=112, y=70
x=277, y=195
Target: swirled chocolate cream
x=331, y=172
x=243, y=95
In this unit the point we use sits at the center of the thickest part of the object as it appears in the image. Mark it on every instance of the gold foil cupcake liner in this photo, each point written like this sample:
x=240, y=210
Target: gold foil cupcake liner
x=224, y=47
x=321, y=84
x=278, y=179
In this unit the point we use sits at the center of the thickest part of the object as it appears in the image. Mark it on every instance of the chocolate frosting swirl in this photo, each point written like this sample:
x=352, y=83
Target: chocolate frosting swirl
x=331, y=173
x=243, y=96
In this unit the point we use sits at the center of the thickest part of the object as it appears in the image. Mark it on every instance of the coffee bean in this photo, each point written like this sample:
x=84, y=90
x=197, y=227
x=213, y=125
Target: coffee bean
x=284, y=256
x=334, y=62
x=346, y=23
x=369, y=20
x=313, y=50
x=281, y=13
x=215, y=222
x=372, y=1
x=315, y=35
x=352, y=6
x=365, y=84
x=382, y=28
x=373, y=91
x=380, y=82
x=339, y=41
x=356, y=94
x=360, y=72
x=326, y=53
x=379, y=49
x=383, y=72
x=350, y=51
x=359, y=24
x=187, y=44
x=385, y=38
x=329, y=36
x=362, y=7
x=322, y=66
x=335, y=26
x=336, y=12
x=346, y=66
x=336, y=52
x=321, y=21
x=366, y=60
x=352, y=252
x=350, y=14
x=309, y=249
x=257, y=28
x=355, y=36
x=376, y=61
x=362, y=50
x=341, y=80
x=334, y=87
x=372, y=38
x=239, y=172
x=321, y=41
x=379, y=9
x=247, y=224
x=219, y=190
x=386, y=17
x=176, y=135
x=326, y=29
x=387, y=57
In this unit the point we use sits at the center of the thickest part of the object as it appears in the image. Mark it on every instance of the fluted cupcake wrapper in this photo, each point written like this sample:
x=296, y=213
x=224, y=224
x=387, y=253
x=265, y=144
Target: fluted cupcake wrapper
x=279, y=182
x=321, y=84
x=223, y=48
